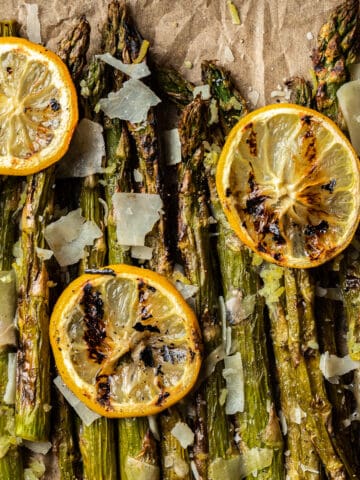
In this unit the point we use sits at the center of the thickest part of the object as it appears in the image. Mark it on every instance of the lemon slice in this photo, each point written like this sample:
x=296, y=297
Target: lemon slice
x=125, y=343
x=38, y=107
x=288, y=181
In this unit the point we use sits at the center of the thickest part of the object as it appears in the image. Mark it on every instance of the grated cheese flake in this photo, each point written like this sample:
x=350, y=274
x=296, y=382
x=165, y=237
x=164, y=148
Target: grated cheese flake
x=247, y=463
x=183, y=433
x=10, y=390
x=86, y=415
x=203, y=91
x=139, y=470
x=332, y=366
x=132, y=102
x=68, y=236
x=141, y=252
x=135, y=215
x=86, y=151
x=349, y=101
x=234, y=377
x=133, y=70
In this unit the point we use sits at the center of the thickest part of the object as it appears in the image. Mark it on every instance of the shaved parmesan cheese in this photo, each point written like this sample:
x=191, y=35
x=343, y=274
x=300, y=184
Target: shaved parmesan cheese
x=135, y=216
x=132, y=102
x=154, y=427
x=133, y=70
x=240, y=307
x=309, y=36
x=349, y=102
x=297, y=414
x=33, y=22
x=211, y=361
x=331, y=365
x=138, y=176
x=86, y=415
x=141, y=253
x=68, y=236
x=172, y=146
x=183, y=433
x=9, y=395
x=139, y=470
x=187, y=291
x=8, y=307
x=234, y=377
x=86, y=151
x=177, y=464
x=37, y=447
x=203, y=90
x=241, y=466
x=44, y=253
x=305, y=468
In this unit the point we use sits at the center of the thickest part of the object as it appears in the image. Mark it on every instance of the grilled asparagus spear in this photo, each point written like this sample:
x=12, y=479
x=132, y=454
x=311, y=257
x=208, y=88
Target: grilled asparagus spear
x=336, y=50
x=11, y=464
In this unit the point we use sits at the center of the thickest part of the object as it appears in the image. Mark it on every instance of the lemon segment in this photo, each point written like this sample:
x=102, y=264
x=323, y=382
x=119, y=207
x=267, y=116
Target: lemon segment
x=38, y=107
x=127, y=344
x=288, y=180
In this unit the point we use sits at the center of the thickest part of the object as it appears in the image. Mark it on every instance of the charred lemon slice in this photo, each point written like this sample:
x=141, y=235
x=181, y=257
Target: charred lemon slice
x=288, y=181
x=125, y=341
x=38, y=107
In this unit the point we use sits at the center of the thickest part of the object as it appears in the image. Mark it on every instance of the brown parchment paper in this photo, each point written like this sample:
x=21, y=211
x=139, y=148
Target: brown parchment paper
x=273, y=42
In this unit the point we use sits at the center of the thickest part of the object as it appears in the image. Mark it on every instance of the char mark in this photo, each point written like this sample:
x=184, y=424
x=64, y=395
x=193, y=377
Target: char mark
x=163, y=396
x=146, y=356
x=103, y=389
x=311, y=230
x=329, y=186
x=139, y=327
x=95, y=332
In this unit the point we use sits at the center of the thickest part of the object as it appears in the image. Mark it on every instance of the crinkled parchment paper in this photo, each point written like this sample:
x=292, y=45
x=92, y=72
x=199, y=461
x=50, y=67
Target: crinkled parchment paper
x=273, y=42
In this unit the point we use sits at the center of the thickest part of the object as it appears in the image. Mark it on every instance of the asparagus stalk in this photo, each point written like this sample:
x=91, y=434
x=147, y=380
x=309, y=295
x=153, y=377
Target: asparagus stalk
x=33, y=356
x=215, y=440
x=135, y=439
x=301, y=92
x=257, y=425
x=130, y=50
x=96, y=441
x=11, y=465
x=336, y=50
x=171, y=85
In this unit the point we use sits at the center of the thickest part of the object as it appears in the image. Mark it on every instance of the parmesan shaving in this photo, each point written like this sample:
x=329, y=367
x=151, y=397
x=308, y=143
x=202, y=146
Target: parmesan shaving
x=283, y=422
x=139, y=470
x=234, y=377
x=183, y=433
x=37, y=447
x=186, y=290
x=172, y=146
x=86, y=151
x=142, y=253
x=68, y=236
x=8, y=308
x=132, y=102
x=203, y=91
x=332, y=366
x=254, y=97
x=241, y=466
x=138, y=176
x=228, y=55
x=305, y=468
x=240, y=307
x=86, y=415
x=297, y=414
x=10, y=390
x=135, y=216
x=210, y=362
x=133, y=70
x=33, y=22
x=44, y=253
